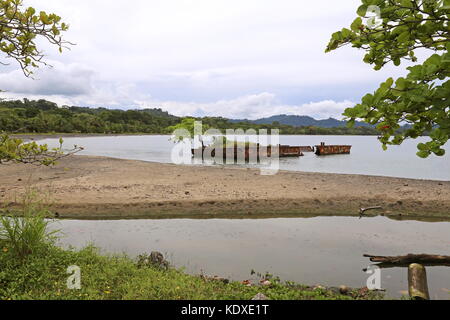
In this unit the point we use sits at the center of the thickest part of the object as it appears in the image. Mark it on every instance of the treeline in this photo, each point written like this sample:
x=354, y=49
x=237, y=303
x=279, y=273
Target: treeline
x=43, y=116
x=223, y=123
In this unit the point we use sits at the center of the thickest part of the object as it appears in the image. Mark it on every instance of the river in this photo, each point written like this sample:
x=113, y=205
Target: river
x=322, y=250
x=367, y=156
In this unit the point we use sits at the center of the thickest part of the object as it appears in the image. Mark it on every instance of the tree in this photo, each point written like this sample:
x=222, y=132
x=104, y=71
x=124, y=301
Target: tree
x=19, y=29
x=186, y=129
x=421, y=99
x=14, y=150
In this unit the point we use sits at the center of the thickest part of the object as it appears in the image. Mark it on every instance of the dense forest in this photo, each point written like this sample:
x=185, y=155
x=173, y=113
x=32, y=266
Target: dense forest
x=42, y=116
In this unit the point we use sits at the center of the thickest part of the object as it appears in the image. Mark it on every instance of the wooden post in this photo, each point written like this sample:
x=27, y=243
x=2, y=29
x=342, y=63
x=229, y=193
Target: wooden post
x=417, y=282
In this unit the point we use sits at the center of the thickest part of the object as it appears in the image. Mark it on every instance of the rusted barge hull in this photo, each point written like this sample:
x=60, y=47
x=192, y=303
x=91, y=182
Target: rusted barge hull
x=324, y=150
x=306, y=149
x=254, y=152
x=288, y=151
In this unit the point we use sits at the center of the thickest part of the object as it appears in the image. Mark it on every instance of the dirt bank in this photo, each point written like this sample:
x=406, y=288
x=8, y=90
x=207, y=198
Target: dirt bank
x=97, y=187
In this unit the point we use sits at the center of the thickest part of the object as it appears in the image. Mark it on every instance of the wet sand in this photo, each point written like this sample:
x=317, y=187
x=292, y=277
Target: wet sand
x=98, y=187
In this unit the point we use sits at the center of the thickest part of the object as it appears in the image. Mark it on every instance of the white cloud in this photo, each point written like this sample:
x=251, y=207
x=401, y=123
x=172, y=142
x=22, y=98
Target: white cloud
x=253, y=107
x=61, y=79
x=250, y=107
x=233, y=58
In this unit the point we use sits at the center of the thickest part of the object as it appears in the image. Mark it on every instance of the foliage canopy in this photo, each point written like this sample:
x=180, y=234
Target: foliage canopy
x=401, y=29
x=19, y=29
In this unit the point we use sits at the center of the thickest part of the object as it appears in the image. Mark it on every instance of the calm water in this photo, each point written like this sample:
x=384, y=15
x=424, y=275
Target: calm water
x=367, y=156
x=324, y=250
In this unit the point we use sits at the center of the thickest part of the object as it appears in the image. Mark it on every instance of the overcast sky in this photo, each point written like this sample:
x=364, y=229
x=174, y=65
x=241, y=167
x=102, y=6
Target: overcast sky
x=238, y=59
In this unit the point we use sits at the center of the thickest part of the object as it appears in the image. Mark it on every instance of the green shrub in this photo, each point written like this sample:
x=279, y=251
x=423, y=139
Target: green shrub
x=25, y=231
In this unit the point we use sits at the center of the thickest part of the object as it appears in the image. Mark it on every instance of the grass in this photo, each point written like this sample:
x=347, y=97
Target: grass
x=43, y=277
x=26, y=230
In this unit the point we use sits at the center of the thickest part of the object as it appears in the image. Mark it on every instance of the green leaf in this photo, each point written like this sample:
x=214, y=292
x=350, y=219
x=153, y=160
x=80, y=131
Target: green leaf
x=368, y=99
x=362, y=10
x=356, y=24
x=423, y=154
x=435, y=59
x=401, y=84
x=389, y=82
x=407, y=3
x=404, y=36
x=346, y=33
x=336, y=36
x=422, y=147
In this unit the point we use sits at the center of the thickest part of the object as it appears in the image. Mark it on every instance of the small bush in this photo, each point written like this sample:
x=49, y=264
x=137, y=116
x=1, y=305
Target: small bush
x=25, y=231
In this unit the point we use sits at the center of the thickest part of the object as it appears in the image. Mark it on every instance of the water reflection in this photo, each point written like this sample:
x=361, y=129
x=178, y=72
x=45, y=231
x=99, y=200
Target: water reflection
x=367, y=157
x=321, y=250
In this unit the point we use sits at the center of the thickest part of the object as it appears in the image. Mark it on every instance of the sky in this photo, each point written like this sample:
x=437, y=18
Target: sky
x=237, y=59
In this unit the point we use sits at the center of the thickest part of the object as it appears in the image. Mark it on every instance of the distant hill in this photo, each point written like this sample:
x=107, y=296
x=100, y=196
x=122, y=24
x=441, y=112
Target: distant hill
x=41, y=116
x=303, y=121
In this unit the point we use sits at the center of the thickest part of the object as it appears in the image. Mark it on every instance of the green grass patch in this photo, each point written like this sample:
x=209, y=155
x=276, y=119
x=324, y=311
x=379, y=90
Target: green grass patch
x=44, y=277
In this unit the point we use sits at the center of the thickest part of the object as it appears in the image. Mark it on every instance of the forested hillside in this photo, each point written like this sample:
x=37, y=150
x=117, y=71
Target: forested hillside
x=43, y=116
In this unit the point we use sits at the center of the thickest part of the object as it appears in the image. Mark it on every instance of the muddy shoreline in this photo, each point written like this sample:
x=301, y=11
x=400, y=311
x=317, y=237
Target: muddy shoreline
x=99, y=187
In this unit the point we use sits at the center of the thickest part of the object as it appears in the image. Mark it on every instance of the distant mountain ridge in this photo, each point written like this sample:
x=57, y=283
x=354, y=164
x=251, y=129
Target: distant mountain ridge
x=303, y=121
x=41, y=116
